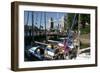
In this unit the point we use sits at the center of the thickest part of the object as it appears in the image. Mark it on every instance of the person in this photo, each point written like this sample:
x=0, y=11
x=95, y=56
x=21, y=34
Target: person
x=40, y=52
x=52, y=46
x=61, y=53
x=66, y=48
x=56, y=53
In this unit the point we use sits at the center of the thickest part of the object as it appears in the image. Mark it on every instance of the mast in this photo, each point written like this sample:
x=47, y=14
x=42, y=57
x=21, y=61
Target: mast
x=26, y=24
x=27, y=18
x=40, y=20
x=33, y=26
x=78, y=35
x=73, y=23
x=45, y=25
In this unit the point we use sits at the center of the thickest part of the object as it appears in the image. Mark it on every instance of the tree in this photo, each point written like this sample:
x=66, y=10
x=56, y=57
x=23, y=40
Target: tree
x=71, y=21
x=65, y=22
x=85, y=18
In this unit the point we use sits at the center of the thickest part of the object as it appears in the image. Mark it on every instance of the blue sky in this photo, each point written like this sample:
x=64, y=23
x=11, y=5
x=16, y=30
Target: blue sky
x=39, y=18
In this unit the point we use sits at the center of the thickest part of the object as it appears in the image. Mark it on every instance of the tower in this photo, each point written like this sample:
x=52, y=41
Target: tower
x=51, y=23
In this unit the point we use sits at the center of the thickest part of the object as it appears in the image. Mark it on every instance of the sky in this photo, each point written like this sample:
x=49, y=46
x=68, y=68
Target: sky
x=39, y=18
